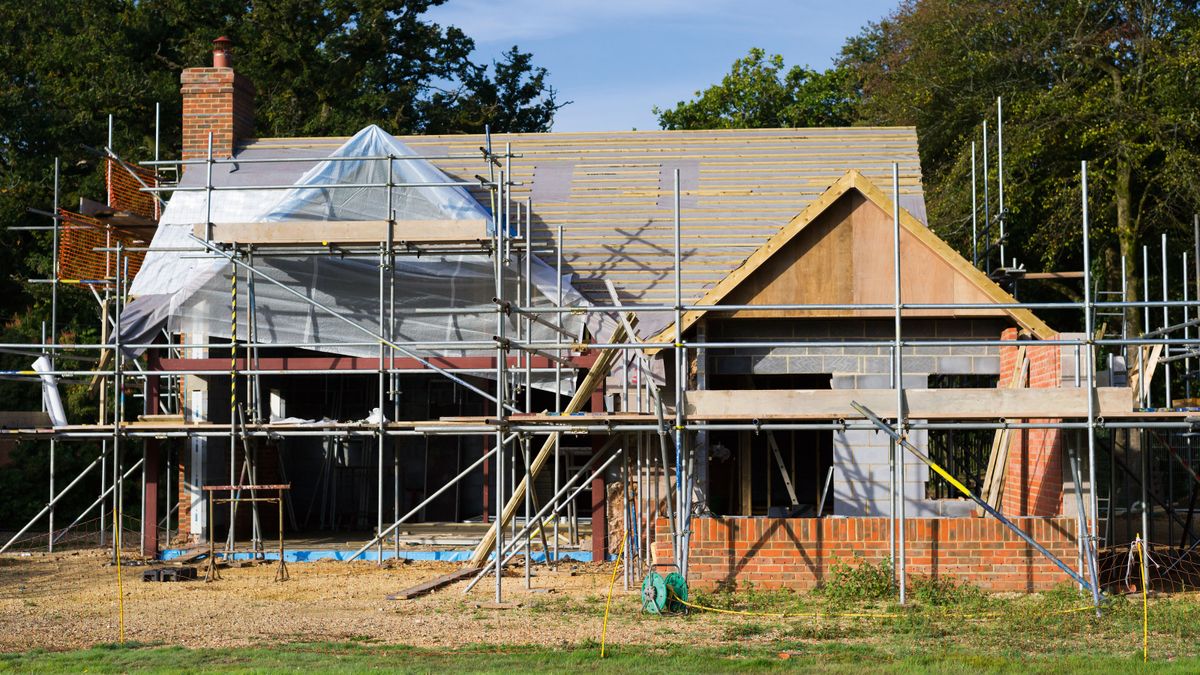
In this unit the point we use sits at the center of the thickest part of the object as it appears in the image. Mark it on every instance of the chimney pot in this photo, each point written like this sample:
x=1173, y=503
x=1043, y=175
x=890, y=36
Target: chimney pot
x=222, y=58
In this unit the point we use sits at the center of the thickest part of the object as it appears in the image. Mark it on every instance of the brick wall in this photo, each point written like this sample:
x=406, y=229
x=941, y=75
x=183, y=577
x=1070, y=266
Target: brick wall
x=797, y=553
x=1033, y=480
x=216, y=100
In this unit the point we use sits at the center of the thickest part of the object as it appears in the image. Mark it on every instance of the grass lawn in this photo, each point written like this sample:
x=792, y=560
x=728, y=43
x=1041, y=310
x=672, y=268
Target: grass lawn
x=834, y=657
x=853, y=625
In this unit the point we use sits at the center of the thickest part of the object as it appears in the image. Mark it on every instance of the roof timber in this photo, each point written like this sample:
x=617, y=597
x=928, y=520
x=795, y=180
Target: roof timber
x=855, y=182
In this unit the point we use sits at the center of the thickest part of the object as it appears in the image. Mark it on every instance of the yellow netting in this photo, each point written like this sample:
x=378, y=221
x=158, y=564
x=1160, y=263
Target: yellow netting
x=125, y=191
x=79, y=262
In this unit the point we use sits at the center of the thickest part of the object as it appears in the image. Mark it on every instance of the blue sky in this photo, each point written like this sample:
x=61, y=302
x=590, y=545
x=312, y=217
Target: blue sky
x=616, y=59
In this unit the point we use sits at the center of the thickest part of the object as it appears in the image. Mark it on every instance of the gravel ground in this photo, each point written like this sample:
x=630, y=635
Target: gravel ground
x=69, y=600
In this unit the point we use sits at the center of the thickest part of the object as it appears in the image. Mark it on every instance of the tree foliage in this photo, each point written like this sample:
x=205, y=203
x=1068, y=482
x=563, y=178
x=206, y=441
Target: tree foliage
x=320, y=67
x=760, y=92
x=1110, y=82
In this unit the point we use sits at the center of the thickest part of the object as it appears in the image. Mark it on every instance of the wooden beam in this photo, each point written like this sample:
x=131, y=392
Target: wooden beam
x=345, y=232
x=745, y=474
x=993, y=481
x=922, y=403
x=593, y=381
x=787, y=480
x=433, y=584
x=1041, y=276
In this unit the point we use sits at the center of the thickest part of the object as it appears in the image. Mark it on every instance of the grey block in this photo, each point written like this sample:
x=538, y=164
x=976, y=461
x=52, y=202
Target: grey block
x=926, y=350
x=860, y=457
x=826, y=351
x=733, y=365
x=875, y=381
x=805, y=364
x=919, y=364
x=969, y=350
x=841, y=364
x=770, y=365
x=839, y=381
x=989, y=365
x=793, y=351
x=853, y=350
x=876, y=364
x=954, y=365
x=751, y=351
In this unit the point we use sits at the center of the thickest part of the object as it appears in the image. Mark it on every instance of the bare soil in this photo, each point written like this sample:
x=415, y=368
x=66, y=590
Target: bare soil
x=70, y=600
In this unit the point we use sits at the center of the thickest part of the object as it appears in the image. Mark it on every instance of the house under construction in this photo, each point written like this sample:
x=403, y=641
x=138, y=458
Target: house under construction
x=740, y=352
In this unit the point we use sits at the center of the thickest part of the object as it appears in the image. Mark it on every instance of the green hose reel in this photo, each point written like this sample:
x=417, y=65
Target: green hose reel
x=664, y=595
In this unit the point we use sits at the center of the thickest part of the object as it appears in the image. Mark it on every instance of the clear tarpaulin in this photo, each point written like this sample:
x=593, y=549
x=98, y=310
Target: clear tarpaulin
x=185, y=289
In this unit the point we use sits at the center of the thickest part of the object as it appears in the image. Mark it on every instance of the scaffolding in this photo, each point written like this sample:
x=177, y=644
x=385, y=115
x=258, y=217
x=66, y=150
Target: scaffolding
x=649, y=443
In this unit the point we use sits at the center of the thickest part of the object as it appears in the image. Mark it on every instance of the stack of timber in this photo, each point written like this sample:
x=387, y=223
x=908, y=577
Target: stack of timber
x=993, y=480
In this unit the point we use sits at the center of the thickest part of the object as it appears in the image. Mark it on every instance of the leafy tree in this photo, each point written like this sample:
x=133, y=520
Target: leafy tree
x=759, y=92
x=321, y=67
x=517, y=98
x=1111, y=82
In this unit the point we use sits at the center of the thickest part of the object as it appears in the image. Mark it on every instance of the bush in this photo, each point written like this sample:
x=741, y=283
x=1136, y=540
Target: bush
x=862, y=582
x=939, y=592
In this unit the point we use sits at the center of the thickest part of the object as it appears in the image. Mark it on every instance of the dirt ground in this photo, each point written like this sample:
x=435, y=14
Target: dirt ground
x=69, y=600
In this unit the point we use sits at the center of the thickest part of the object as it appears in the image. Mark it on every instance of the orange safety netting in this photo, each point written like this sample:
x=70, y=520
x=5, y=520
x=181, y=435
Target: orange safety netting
x=79, y=262
x=125, y=192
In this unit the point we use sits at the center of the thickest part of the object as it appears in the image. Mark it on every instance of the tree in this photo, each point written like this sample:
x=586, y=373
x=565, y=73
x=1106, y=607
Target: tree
x=321, y=67
x=518, y=98
x=1102, y=81
x=759, y=92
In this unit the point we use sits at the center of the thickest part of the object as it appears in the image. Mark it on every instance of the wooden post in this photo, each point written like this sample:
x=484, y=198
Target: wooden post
x=745, y=493
x=599, y=492
x=152, y=467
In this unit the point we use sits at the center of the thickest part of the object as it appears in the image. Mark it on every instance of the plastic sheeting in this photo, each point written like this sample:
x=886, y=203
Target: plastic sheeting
x=189, y=291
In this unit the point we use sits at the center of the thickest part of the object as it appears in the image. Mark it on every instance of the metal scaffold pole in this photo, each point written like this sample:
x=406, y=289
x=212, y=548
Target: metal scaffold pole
x=1090, y=351
x=531, y=348
x=682, y=511
x=501, y=363
x=53, y=335
x=898, y=374
x=1000, y=213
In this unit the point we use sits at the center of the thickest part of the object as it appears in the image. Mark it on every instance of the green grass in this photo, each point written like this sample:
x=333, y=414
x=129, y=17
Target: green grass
x=668, y=658
x=945, y=628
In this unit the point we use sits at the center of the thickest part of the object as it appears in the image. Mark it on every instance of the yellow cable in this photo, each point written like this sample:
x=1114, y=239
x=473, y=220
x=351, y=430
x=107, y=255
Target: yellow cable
x=612, y=582
x=1145, y=603
x=120, y=587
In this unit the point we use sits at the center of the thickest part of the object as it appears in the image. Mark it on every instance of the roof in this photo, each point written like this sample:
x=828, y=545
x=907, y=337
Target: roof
x=612, y=192
x=854, y=181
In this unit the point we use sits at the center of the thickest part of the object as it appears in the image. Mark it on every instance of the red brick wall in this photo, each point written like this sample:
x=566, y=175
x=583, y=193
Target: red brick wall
x=1033, y=484
x=797, y=553
x=217, y=100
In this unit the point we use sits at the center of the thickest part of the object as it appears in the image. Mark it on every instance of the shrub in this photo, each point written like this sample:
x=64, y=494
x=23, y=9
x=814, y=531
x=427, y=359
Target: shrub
x=862, y=582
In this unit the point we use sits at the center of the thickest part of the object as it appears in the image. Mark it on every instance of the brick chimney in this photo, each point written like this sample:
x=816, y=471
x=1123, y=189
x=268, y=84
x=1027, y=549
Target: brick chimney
x=216, y=100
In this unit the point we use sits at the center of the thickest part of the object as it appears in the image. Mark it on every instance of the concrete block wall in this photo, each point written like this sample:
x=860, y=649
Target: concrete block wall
x=861, y=478
x=797, y=553
x=853, y=359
